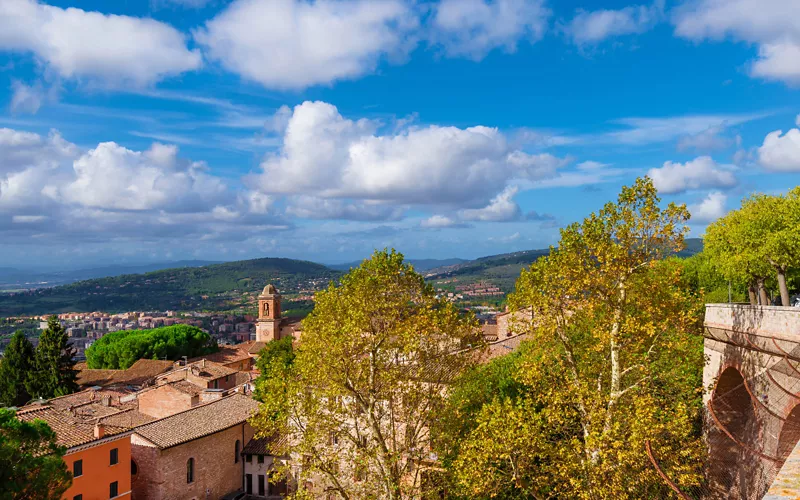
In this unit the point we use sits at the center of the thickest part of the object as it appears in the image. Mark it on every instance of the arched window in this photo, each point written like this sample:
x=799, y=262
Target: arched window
x=190, y=470
x=237, y=451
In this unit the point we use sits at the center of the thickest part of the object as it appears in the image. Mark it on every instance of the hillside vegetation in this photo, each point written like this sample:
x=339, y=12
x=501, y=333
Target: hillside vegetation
x=214, y=287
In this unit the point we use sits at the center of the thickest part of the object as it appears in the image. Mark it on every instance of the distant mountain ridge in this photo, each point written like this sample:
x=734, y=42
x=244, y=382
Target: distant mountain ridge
x=211, y=287
x=223, y=286
x=420, y=265
x=11, y=278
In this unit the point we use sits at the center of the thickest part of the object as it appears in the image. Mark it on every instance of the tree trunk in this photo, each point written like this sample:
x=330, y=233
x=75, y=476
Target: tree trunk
x=762, y=293
x=783, y=288
x=751, y=292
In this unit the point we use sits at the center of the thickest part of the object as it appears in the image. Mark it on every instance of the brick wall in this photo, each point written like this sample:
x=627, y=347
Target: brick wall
x=162, y=473
x=164, y=401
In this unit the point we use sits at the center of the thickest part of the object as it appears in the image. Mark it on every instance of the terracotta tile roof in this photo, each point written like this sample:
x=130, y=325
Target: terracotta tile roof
x=256, y=347
x=200, y=421
x=211, y=370
x=186, y=387
x=227, y=354
x=263, y=446
x=139, y=373
x=503, y=347
x=73, y=417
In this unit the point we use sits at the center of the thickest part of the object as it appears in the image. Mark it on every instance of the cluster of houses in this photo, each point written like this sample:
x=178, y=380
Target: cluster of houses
x=168, y=430
x=179, y=430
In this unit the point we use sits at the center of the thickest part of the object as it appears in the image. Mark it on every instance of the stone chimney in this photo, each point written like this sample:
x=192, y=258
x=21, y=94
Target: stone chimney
x=99, y=430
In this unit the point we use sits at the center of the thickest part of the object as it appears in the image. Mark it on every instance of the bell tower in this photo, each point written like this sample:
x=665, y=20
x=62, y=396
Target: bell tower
x=269, y=315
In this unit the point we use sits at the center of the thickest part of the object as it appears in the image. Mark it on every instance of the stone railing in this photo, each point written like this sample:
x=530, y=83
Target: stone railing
x=766, y=321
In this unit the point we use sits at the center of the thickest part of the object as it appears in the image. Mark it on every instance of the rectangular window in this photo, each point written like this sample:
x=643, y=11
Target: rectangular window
x=261, y=459
x=260, y=485
x=77, y=468
x=77, y=497
x=114, y=456
x=113, y=490
x=248, y=458
x=216, y=384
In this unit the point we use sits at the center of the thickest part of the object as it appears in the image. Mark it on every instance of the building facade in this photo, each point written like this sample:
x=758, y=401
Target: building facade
x=195, y=454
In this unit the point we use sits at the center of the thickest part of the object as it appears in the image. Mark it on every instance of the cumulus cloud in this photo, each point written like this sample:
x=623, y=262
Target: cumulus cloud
x=591, y=27
x=711, y=208
x=113, y=177
x=781, y=152
x=502, y=208
x=326, y=155
x=52, y=188
x=768, y=23
x=473, y=28
x=702, y=172
x=103, y=48
x=293, y=44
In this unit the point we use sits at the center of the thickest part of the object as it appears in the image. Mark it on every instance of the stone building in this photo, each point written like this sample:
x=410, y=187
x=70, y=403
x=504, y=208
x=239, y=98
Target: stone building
x=95, y=427
x=268, y=325
x=259, y=477
x=195, y=454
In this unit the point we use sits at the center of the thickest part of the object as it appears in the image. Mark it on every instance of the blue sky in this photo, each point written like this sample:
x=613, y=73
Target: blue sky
x=156, y=130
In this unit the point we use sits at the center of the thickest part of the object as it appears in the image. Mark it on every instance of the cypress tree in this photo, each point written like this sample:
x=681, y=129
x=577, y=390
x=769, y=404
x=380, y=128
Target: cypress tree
x=54, y=371
x=14, y=369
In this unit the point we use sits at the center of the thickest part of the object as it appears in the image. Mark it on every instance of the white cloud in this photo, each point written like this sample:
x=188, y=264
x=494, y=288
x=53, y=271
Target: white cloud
x=473, y=28
x=293, y=44
x=113, y=177
x=107, y=49
x=781, y=152
x=328, y=156
x=772, y=24
x=439, y=222
x=708, y=140
x=655, y=130
x=311, y=207
x=590, y=27
x=502, y=208
x=797, y=121
x=26, y=98
x=702, y=172
x=711, y=208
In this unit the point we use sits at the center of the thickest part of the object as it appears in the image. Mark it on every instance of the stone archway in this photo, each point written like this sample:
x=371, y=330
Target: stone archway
x=732, y=465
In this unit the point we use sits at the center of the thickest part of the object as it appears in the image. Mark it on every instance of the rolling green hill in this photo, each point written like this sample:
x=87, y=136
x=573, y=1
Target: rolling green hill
x=214, y=287
x=504, y=269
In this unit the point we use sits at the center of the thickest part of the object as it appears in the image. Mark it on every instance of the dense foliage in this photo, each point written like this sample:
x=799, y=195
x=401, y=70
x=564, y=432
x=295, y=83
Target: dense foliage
x=53, y=372
x=275, y=359
x=119, y=350
x=367, y=380
x=15, y=367
x=213, y=287
x=615, y=359
x=757, y=243
x=31, y=464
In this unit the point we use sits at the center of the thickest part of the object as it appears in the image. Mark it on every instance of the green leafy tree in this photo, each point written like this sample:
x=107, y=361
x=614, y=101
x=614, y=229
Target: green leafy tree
x=368, y=379
x=119, y=350
x=15, y=366
x=779, y=218
x=274, y=360
x=53, y=371
x=614, y=360
x=31, y=463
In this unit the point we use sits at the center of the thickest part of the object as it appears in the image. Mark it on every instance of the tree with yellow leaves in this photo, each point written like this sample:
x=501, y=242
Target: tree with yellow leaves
x=355, y=406
x=614, y=360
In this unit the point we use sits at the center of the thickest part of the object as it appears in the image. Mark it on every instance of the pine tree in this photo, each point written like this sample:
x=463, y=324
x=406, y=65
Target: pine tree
x=14, y=369
x=54, y=371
